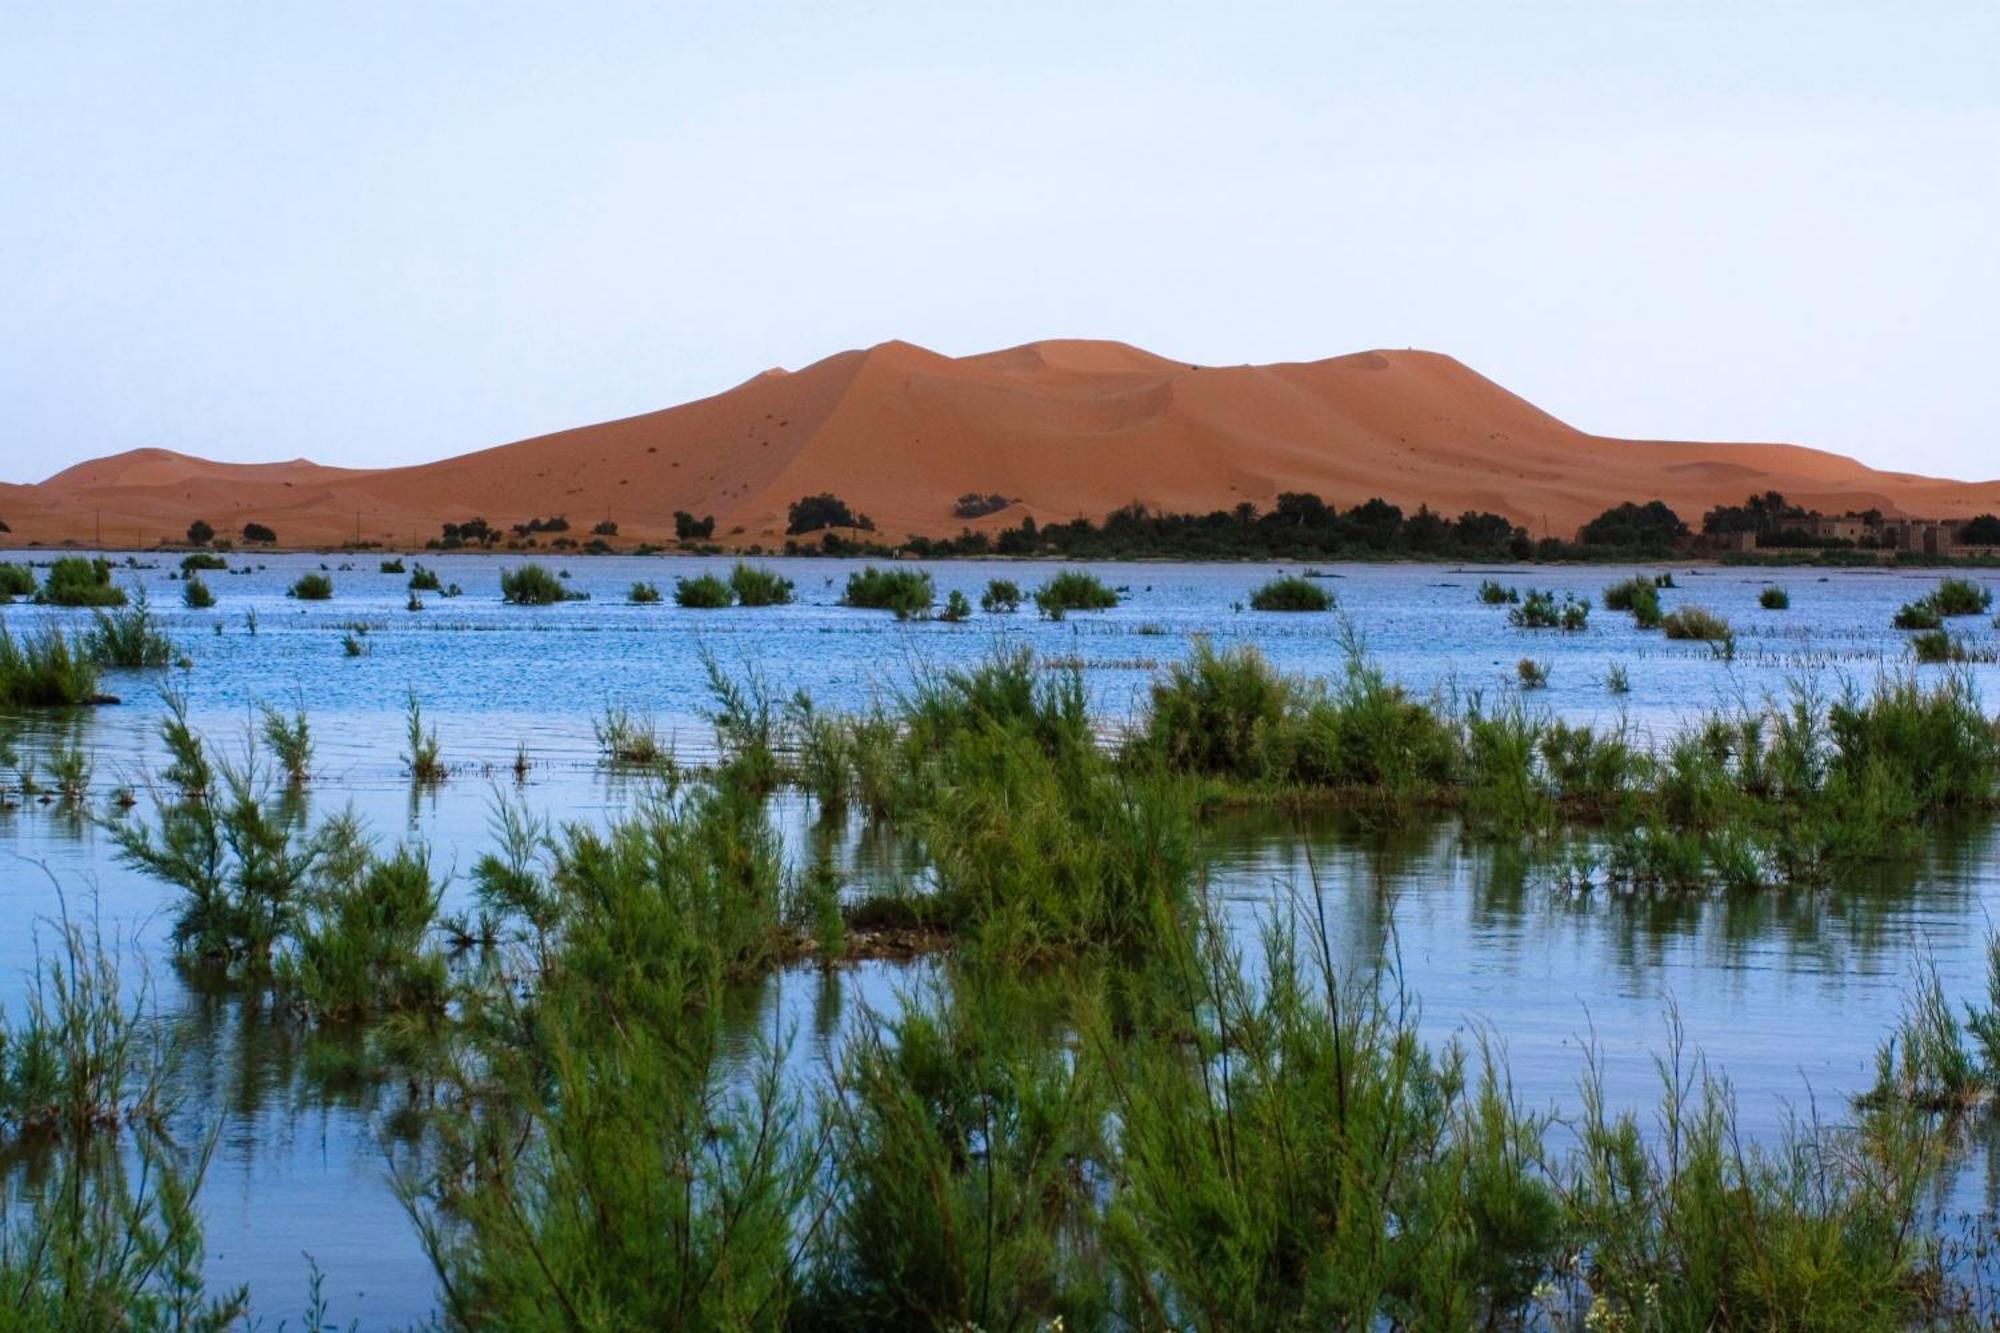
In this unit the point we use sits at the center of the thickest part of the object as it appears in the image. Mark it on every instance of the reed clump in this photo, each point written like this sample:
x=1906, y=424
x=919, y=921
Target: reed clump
x=755, y=585
x=197, y=595
x=643, y=593
x=15, y=581
x=1540, y=610
x=1001, y=597
x=1291, y=593
x=129, y=638
x=45, y=669
x=703, y=592
x=907, y=592
x=1774, y=598
x=1497, y=594
x=311, y=587
x=1073, y=590
x=76, y=581
x=1699, y=623
x=533, y=585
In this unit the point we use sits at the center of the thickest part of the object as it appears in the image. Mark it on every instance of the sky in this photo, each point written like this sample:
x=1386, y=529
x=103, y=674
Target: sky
x=376, y=233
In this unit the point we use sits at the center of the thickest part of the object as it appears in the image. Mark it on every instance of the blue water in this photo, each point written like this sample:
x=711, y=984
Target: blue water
x=1787, y=993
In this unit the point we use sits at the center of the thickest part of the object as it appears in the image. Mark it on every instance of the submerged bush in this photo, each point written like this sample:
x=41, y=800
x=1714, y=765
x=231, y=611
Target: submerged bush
x=907, y=592
x=756, y=586
x=1694, y=622
x=1774, y=598
x=45, y=669
x=1540, y=610
x=1639, y=595
x=1291, y=594
x=311, y=587
x=1962, y=597
x=532, y=585
x=199, y=560
x=424, y=580
x=1495, y=594
x=957, y=608
x=643, y=593
x=75, y=581
x=703, y=592
x=16, y=581
x=1921, y=615
x=130, y=638
x=1073, y=590
x=196, y=595
x=1001, y=597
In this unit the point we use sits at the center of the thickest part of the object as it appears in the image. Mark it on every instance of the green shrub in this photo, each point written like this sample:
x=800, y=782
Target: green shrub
x=44, y=670
x=1962, y=597
x=907, y=592
x=1073, y=590
x=75, y=581
x=957, y=608
x=1533, y=675
x=1291, y=593
x=129, y=638
x=1774, y=599
x=196, y=595
x=393, y=566
x=1694, y=622
x=756, y=586
x=1936, y=645
x=1920, y=614
x=643, y=594
x=1494, y=594
x=703, y=592
x=1540, y=610
x=1001, y=597
x=1639, y=595
x=311, y=587
x=424, y=580
x=532, y=585
x=257, y=532
x=16, y=581
x=195, y=560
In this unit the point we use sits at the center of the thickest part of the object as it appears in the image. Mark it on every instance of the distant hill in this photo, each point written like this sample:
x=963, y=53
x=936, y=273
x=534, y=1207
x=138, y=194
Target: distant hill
x=1064, y=428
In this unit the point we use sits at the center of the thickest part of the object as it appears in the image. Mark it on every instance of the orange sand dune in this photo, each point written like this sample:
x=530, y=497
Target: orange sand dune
x=1066, y=428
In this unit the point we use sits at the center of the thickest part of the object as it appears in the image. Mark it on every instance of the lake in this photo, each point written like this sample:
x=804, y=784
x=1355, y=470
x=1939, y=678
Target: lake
x=1788, y=993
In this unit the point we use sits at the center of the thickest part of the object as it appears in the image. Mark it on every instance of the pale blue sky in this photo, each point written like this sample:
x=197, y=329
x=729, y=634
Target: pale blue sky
x=370, y=233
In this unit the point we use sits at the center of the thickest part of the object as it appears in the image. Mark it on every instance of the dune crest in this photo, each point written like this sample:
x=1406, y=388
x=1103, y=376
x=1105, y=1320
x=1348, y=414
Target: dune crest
x=1064, y=427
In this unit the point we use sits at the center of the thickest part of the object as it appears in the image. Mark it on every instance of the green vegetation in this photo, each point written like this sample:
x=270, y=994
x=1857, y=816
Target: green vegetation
x=1540, y=610
x=755, y=585
x=311, y=587
x=1073, y=590
x=688, y=528
x=1291, y=593
x=421, y=754
x=643, y=593
x=44, y=669
x=257, y=532
x=129, y=638
x=1494, y=594
x=196, y=595
x=394, y=566
x=814, y=512
x=703, y=592
x=624, y=739
x=199, y=533
x=957, y=608
x=533, y=585
x=202, y=560
x=974, y=505
x=1962, y=597
x=1532, y=675
x=1774, y=598
x=424, y=580
x=1922, y=614
x=75, y=581
x=16, y=581
x=1694, y=622
x=1634, y=527
x=1106, y=1110
x=907, y=592
x=1639, y=595
x=1002, y=597
x=289, y=739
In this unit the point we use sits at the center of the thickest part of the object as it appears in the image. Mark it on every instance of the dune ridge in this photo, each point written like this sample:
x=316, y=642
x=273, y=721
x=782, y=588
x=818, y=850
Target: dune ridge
x=1065, y=427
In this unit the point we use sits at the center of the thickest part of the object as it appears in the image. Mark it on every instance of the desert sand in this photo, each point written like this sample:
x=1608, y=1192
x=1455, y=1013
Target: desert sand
x=1067, y=428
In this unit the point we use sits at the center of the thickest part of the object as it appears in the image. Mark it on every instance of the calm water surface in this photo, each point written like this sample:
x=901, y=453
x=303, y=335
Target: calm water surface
x=1786, y=993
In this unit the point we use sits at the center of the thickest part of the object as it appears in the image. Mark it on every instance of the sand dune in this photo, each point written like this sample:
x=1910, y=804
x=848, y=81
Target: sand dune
x=1067, y=427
